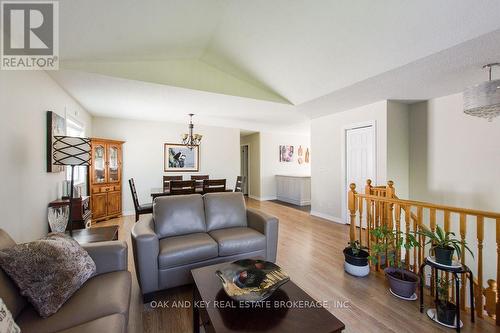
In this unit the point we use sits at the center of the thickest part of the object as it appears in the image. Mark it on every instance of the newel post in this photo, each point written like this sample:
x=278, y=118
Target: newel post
x=352, y=210
x=368, y=187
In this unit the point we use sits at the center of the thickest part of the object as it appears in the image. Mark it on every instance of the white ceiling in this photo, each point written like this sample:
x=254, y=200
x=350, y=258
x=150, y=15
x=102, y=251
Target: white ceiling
x=113, y=97
x=276, y=62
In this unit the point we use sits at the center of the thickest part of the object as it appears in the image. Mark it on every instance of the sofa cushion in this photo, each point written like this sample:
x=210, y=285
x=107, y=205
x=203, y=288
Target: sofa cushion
x=8, y=290
x=238, y=240
x=178, y=215
x=113, y=324
x=48, y=271
x=100, y=296
x=225, y=210
x=181, y=250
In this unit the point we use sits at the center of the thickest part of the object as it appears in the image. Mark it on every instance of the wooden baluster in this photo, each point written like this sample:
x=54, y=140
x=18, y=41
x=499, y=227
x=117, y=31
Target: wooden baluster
x=389, y=193
x=352, y=209
x=480, y=238
x=407, y=231
x=498, y=269
x=446, y=229
x=360, y=211
x=463, y=229
x=368, y=222
x=416, y=252
x=432, y=212
x=421, y=253
x=397, y=218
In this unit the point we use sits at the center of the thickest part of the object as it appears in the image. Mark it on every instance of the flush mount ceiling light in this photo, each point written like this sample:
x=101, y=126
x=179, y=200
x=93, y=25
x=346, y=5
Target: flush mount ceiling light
x=483, y=100
x=191, y=140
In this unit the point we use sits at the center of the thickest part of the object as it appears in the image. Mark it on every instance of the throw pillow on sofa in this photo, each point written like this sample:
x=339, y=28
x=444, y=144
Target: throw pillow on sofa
x=7, y=323
x=48, y=271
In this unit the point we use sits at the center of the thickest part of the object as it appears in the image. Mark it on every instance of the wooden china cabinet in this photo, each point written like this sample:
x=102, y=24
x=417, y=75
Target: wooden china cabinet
x=106, y=179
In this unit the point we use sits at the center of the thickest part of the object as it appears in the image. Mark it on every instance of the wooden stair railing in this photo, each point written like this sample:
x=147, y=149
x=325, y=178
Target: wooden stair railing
x=379, y=205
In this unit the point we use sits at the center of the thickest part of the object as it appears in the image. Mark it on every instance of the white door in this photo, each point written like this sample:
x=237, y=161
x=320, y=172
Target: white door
x=360, y=160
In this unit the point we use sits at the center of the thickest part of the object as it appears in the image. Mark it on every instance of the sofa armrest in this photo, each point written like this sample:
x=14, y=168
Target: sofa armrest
x=146, y=248
x=108, y=256
x=267, y=225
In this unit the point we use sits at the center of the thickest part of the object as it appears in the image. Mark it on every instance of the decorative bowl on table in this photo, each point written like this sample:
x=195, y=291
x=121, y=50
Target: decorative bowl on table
x=251, y=280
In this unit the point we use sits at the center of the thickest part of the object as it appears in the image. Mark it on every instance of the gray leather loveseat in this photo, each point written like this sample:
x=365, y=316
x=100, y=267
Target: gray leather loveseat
x=100, y=305
x=189, y=231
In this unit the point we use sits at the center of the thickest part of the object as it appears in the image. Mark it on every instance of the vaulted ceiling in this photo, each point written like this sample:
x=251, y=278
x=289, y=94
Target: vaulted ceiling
x=263, y=63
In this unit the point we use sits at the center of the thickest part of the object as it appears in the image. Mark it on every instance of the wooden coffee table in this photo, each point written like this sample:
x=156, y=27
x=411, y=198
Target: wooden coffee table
x=221, y=315
x=96, y=234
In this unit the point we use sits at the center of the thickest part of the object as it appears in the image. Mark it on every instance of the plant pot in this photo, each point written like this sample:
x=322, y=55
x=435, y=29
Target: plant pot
x=361, y=259
x=356, y=265
x=402, y=282
x=446, y=312
x=357, y=271
x=444, y=255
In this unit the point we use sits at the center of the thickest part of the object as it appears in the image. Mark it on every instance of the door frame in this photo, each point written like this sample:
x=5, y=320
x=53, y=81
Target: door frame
x=343, y=161
x=248, y=167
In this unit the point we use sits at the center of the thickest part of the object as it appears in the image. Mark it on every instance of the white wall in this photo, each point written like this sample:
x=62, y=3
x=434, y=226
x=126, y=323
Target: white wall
x=270, y=164
x=398, y=147
x=143, y=152
x=327, y=178
x=455, y=158
x=26, y=187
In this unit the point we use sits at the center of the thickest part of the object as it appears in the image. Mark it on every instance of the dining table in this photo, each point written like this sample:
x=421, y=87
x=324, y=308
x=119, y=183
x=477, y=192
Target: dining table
x=160, y=192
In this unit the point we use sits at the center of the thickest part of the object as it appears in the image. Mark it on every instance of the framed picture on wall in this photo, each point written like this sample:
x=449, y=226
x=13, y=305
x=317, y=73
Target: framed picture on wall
x=56, y=125
x=286, y=153
x=179, y=158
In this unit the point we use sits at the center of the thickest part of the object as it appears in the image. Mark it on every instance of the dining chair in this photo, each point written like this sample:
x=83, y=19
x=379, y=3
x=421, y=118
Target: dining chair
x=182, y=187
x=139, y=209
x=240, y=184
x=167, y=180
x=214, y=185
x=199, y=180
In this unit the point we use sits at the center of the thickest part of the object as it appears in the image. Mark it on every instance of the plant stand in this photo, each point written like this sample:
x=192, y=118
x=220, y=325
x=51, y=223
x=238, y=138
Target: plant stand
x=454, y=270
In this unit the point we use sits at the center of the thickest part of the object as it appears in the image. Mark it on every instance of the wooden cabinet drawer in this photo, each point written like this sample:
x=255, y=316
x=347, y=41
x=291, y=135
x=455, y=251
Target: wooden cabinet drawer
x=105, y=189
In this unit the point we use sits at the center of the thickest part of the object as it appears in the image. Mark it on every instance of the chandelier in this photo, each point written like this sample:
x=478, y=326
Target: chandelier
x=191, y=140
x=483, y=100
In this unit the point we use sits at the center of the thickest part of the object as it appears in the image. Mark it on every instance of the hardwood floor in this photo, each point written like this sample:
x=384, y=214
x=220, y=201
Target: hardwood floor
x=310, y=250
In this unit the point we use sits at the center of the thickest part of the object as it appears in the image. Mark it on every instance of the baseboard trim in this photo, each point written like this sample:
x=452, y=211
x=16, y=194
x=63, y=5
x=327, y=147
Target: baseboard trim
x=128, y=212
x=327, y=217
x=261, y=198
x=295, y=202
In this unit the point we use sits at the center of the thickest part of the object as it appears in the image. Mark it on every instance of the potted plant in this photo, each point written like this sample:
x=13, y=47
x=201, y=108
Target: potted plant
x=402, y=282
x=446, y=311
x=443, y=244
x=356, y=259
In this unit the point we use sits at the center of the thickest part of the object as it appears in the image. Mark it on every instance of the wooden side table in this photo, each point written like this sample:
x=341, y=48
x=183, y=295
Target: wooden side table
x=463, y=269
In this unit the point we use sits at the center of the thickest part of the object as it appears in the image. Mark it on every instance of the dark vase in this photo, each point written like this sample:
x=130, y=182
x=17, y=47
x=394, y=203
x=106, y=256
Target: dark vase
x=361, y=259
x=446, y=312
x=403, y=283
x=444, y=255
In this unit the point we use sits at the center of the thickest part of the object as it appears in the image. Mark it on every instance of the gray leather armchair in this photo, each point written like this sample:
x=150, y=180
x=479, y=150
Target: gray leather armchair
x=100, y=305
x=190, y=231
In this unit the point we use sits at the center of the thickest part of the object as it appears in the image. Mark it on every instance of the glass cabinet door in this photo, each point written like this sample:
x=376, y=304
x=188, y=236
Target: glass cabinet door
x=99, y=174
x=113, y=163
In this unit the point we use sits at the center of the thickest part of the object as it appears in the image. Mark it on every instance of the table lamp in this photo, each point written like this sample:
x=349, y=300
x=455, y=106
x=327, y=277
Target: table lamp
x=71, y=151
